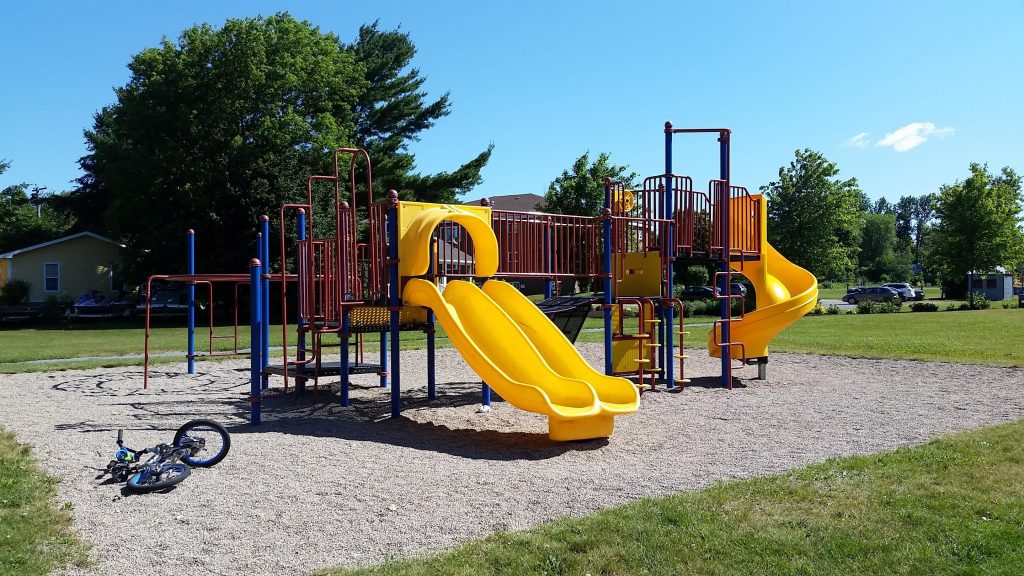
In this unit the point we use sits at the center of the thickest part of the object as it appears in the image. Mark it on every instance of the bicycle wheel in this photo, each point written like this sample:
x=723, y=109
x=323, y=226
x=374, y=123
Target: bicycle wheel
x=169, y=475
x=213, y=442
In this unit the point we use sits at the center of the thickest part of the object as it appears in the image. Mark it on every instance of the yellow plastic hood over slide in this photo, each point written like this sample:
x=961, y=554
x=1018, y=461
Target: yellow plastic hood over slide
x=785, y=293
x=579, y=403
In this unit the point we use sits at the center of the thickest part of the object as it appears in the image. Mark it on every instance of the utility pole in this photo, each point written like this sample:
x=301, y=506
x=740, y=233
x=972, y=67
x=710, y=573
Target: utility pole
x=37, y=199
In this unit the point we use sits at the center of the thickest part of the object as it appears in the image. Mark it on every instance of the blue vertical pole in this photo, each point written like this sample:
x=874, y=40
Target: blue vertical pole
x=191, y=267
x=383, y=359
x=343, y=372
x=669, y=245
x=549, y=249
x=395, y=304
x=265, y=293
x=300, y=322
x=723, y=140
x=256, y=333
x=431, y=365
x=606, y=264
x=485, y=394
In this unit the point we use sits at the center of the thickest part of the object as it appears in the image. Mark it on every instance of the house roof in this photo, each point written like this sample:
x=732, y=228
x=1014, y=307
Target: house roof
x=514, y=202
x=13, y=253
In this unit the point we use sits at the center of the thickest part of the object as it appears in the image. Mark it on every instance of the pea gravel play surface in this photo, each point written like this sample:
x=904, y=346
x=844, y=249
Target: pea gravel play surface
x=320, y=485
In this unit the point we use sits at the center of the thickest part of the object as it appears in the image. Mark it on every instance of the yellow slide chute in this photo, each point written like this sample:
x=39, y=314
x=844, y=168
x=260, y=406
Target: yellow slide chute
x=528, y=362
x=785, y=293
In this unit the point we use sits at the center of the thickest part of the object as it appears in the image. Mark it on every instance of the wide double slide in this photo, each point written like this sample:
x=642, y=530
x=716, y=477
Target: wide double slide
x=785, y=293
x=495, y=347
x=503, y=337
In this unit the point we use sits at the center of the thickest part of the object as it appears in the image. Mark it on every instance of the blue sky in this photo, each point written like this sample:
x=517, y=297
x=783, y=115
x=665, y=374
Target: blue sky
x=901, y=95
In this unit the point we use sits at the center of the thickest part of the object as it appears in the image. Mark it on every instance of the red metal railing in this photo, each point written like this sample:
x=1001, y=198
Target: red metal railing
x=547, y=245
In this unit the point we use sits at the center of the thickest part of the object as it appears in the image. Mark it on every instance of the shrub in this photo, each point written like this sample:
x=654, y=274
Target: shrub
x=818, y=309
x=833, y=309
x=978, y=301
x=14, y=292
x=696, y=276
x=887, y=306
x=924, y=307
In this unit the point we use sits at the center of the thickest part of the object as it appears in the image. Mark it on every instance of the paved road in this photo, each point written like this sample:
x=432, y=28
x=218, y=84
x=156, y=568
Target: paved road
x=842, y=305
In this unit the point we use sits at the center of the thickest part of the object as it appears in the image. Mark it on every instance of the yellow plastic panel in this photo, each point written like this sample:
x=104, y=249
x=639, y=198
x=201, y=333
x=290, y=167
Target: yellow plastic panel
x=617, y=395
x=641, y=273
x=416, y=224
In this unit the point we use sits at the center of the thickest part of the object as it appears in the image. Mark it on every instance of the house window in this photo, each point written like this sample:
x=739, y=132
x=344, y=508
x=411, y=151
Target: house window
x=990, y=283
x=51, y=277
x=976, y=283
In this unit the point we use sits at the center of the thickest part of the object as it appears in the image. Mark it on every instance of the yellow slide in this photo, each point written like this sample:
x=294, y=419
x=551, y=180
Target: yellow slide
x=785, y=293
x=494, y=346
x=617, y=395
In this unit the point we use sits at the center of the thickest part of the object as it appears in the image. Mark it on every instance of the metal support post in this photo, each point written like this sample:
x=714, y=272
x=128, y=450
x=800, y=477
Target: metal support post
x=265, y=294
x=606, y=264
x=256, y=333
x=395, y=304
x=724, y=265
x=191, y=315
x=300, y=322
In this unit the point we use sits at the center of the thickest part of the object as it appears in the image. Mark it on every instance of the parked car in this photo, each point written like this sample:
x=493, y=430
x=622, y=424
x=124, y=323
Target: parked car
x=870, y=293
x=737, y=289
x=698, y=293
x=906, y=291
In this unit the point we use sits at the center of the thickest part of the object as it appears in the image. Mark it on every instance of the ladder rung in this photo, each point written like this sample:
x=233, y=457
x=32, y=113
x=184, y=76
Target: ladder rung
x=640, y=335
x=683, y=381
x=683, y=333
x=654, y=370
x=680, y=356
x=651, y=345
x=642, y=361
x=652, y=320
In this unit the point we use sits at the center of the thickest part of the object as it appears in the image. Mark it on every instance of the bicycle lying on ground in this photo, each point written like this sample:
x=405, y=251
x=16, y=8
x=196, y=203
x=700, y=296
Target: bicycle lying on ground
x=199, y=443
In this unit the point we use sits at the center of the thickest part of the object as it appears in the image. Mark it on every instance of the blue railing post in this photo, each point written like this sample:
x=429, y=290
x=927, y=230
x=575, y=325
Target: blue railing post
x=191, y=315
x=395, y=304
x=723, y=212
x=606, y=264
x=383, y=359
x=549, y=251
x=265, y=294
x=300, y=321
x=344, y=359
x=668, y=245
x=431, y=381
x=256, y=334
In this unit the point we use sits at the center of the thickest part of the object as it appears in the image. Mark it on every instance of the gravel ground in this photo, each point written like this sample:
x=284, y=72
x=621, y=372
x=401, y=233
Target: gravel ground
x=319, y=485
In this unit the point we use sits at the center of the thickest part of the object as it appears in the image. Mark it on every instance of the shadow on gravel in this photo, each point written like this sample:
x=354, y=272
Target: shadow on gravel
x=368, y=420
x=713, y=383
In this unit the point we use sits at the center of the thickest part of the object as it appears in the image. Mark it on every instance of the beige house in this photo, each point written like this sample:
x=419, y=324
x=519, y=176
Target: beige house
x=66, y=267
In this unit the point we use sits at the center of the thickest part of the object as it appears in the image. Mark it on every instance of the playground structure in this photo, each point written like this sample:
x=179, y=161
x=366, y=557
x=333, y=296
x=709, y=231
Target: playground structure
x=385, y=278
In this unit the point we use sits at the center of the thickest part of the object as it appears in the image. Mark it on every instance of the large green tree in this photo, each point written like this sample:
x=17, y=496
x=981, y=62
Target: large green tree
x=26, y=217
x=881, y=259
x=814, y=217
x=580, y=189
x=979, y=226
x=227, y=123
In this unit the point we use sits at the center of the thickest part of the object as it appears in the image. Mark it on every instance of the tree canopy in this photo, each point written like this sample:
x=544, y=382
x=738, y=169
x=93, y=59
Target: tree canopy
x=814, y=217
x=25, y=218
x=580, y=190
x=979, y=226
x=227, y=123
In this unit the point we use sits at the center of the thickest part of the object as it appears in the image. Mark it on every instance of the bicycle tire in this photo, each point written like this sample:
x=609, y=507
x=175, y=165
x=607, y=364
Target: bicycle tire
x=205, y=462
x=143, y=482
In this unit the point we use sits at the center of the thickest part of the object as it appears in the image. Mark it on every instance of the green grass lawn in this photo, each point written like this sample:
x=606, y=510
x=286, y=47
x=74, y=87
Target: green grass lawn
x=994, y=336
x=952, y=506
x=978, y=336
x=35, y=536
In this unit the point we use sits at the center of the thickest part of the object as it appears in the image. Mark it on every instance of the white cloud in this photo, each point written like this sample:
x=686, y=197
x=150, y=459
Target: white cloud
x=912, y=135
x=858, y=141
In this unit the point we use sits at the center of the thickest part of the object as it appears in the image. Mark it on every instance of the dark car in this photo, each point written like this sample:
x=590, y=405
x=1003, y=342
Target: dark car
x=737, y=289
x=697, y=293
x=871, y=293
